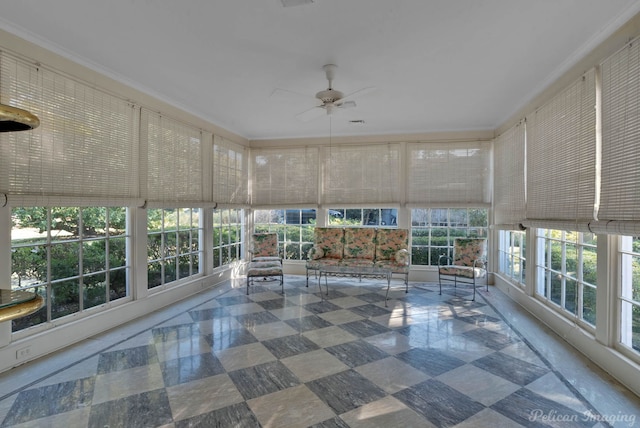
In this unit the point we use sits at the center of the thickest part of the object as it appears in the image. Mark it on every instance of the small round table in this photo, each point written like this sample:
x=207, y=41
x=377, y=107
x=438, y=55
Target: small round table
x=18, y=303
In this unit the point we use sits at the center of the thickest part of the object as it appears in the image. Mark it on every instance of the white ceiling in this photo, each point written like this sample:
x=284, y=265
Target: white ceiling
x=438, y=65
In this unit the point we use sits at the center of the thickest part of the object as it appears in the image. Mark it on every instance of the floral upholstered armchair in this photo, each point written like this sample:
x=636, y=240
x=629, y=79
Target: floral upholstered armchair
x=265, y=259
x=468, y=265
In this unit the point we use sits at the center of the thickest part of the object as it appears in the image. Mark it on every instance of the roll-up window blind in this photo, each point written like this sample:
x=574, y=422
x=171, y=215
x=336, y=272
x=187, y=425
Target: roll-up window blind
x=86, y=144
x=449, y=174
x=284, y=177
x=561, y=156
x=174, y=153
x=508, y=181
x=620, y=197
x=230, y=172
x=362, y=174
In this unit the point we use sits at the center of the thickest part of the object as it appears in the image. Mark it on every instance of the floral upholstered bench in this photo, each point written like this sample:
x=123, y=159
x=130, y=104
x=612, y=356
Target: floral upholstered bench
x=360, y=246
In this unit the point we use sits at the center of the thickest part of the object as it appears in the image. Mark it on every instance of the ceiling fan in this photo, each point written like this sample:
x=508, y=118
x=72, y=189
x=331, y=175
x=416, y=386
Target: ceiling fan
x=332, y=100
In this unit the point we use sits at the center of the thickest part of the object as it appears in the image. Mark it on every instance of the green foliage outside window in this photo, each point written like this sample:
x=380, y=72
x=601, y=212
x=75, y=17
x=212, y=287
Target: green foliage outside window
x=48, y=248
x=433, y=231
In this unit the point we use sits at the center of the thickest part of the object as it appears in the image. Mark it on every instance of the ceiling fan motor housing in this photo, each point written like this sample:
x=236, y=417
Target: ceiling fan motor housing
x=329, y=96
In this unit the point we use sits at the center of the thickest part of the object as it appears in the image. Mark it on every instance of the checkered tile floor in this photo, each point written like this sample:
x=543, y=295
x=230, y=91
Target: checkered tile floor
x=298, y=360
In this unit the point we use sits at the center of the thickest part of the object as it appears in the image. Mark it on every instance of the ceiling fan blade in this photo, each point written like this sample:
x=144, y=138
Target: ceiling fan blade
x=346, y=104
x=358, y=93
x=286, y=94
x=311, y=114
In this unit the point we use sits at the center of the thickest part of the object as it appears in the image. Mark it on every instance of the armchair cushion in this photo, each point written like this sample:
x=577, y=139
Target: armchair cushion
x=264, y=245
x=389, y=241
x=359, y=243
x=331, y=240
x=467, y=251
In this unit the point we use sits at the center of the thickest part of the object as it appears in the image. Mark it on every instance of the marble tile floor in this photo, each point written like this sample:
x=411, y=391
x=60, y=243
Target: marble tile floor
x=225, y=359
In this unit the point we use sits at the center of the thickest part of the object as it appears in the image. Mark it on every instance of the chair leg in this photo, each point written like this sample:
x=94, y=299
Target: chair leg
x=474, y=288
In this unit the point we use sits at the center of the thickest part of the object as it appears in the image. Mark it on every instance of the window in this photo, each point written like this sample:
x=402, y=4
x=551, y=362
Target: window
x=630, y=293
x=293, y=226
x=433, y=231
x=173, y=244
x=566, y=264
x=363, y=217
x=512, y=255
x=227, y=236
x=74, y=257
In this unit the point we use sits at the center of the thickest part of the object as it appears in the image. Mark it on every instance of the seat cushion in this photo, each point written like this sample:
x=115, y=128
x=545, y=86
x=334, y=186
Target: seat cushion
x=315, y=264
x=393, y=265
x=356, y=262
x=464, y=271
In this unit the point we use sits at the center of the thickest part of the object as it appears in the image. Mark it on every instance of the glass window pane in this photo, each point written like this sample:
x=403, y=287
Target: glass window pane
x=630, y=325
x=556, y=255
x=117, y=252
x=94, y=222
x=154, y=246
x=458, y=218
x=184, y=242
x=170, y=244
x=589, y=265
x=478, y=218
x=589, y=305
x=28, y=266
x=184, y=266
x=65, y=298
x=571, y=296
x=29, y=225
x=38, y=317
x=439, y=217
x=64, y=260
x=170, y=220
x=94, y=256
x=117, y=221
x=170, y=272
x=154, y=220
x=556, y=288
x=65, y=223
x=94, y=290
x=154, y=274
x=118, y=283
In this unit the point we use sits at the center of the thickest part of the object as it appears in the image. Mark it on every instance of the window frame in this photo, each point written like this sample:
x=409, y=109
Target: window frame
x=445, y=224
x=626, y=302
x=545, y=271
x=511, y=253
x=82, y=244
x=225, y=253
x=171, y=234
